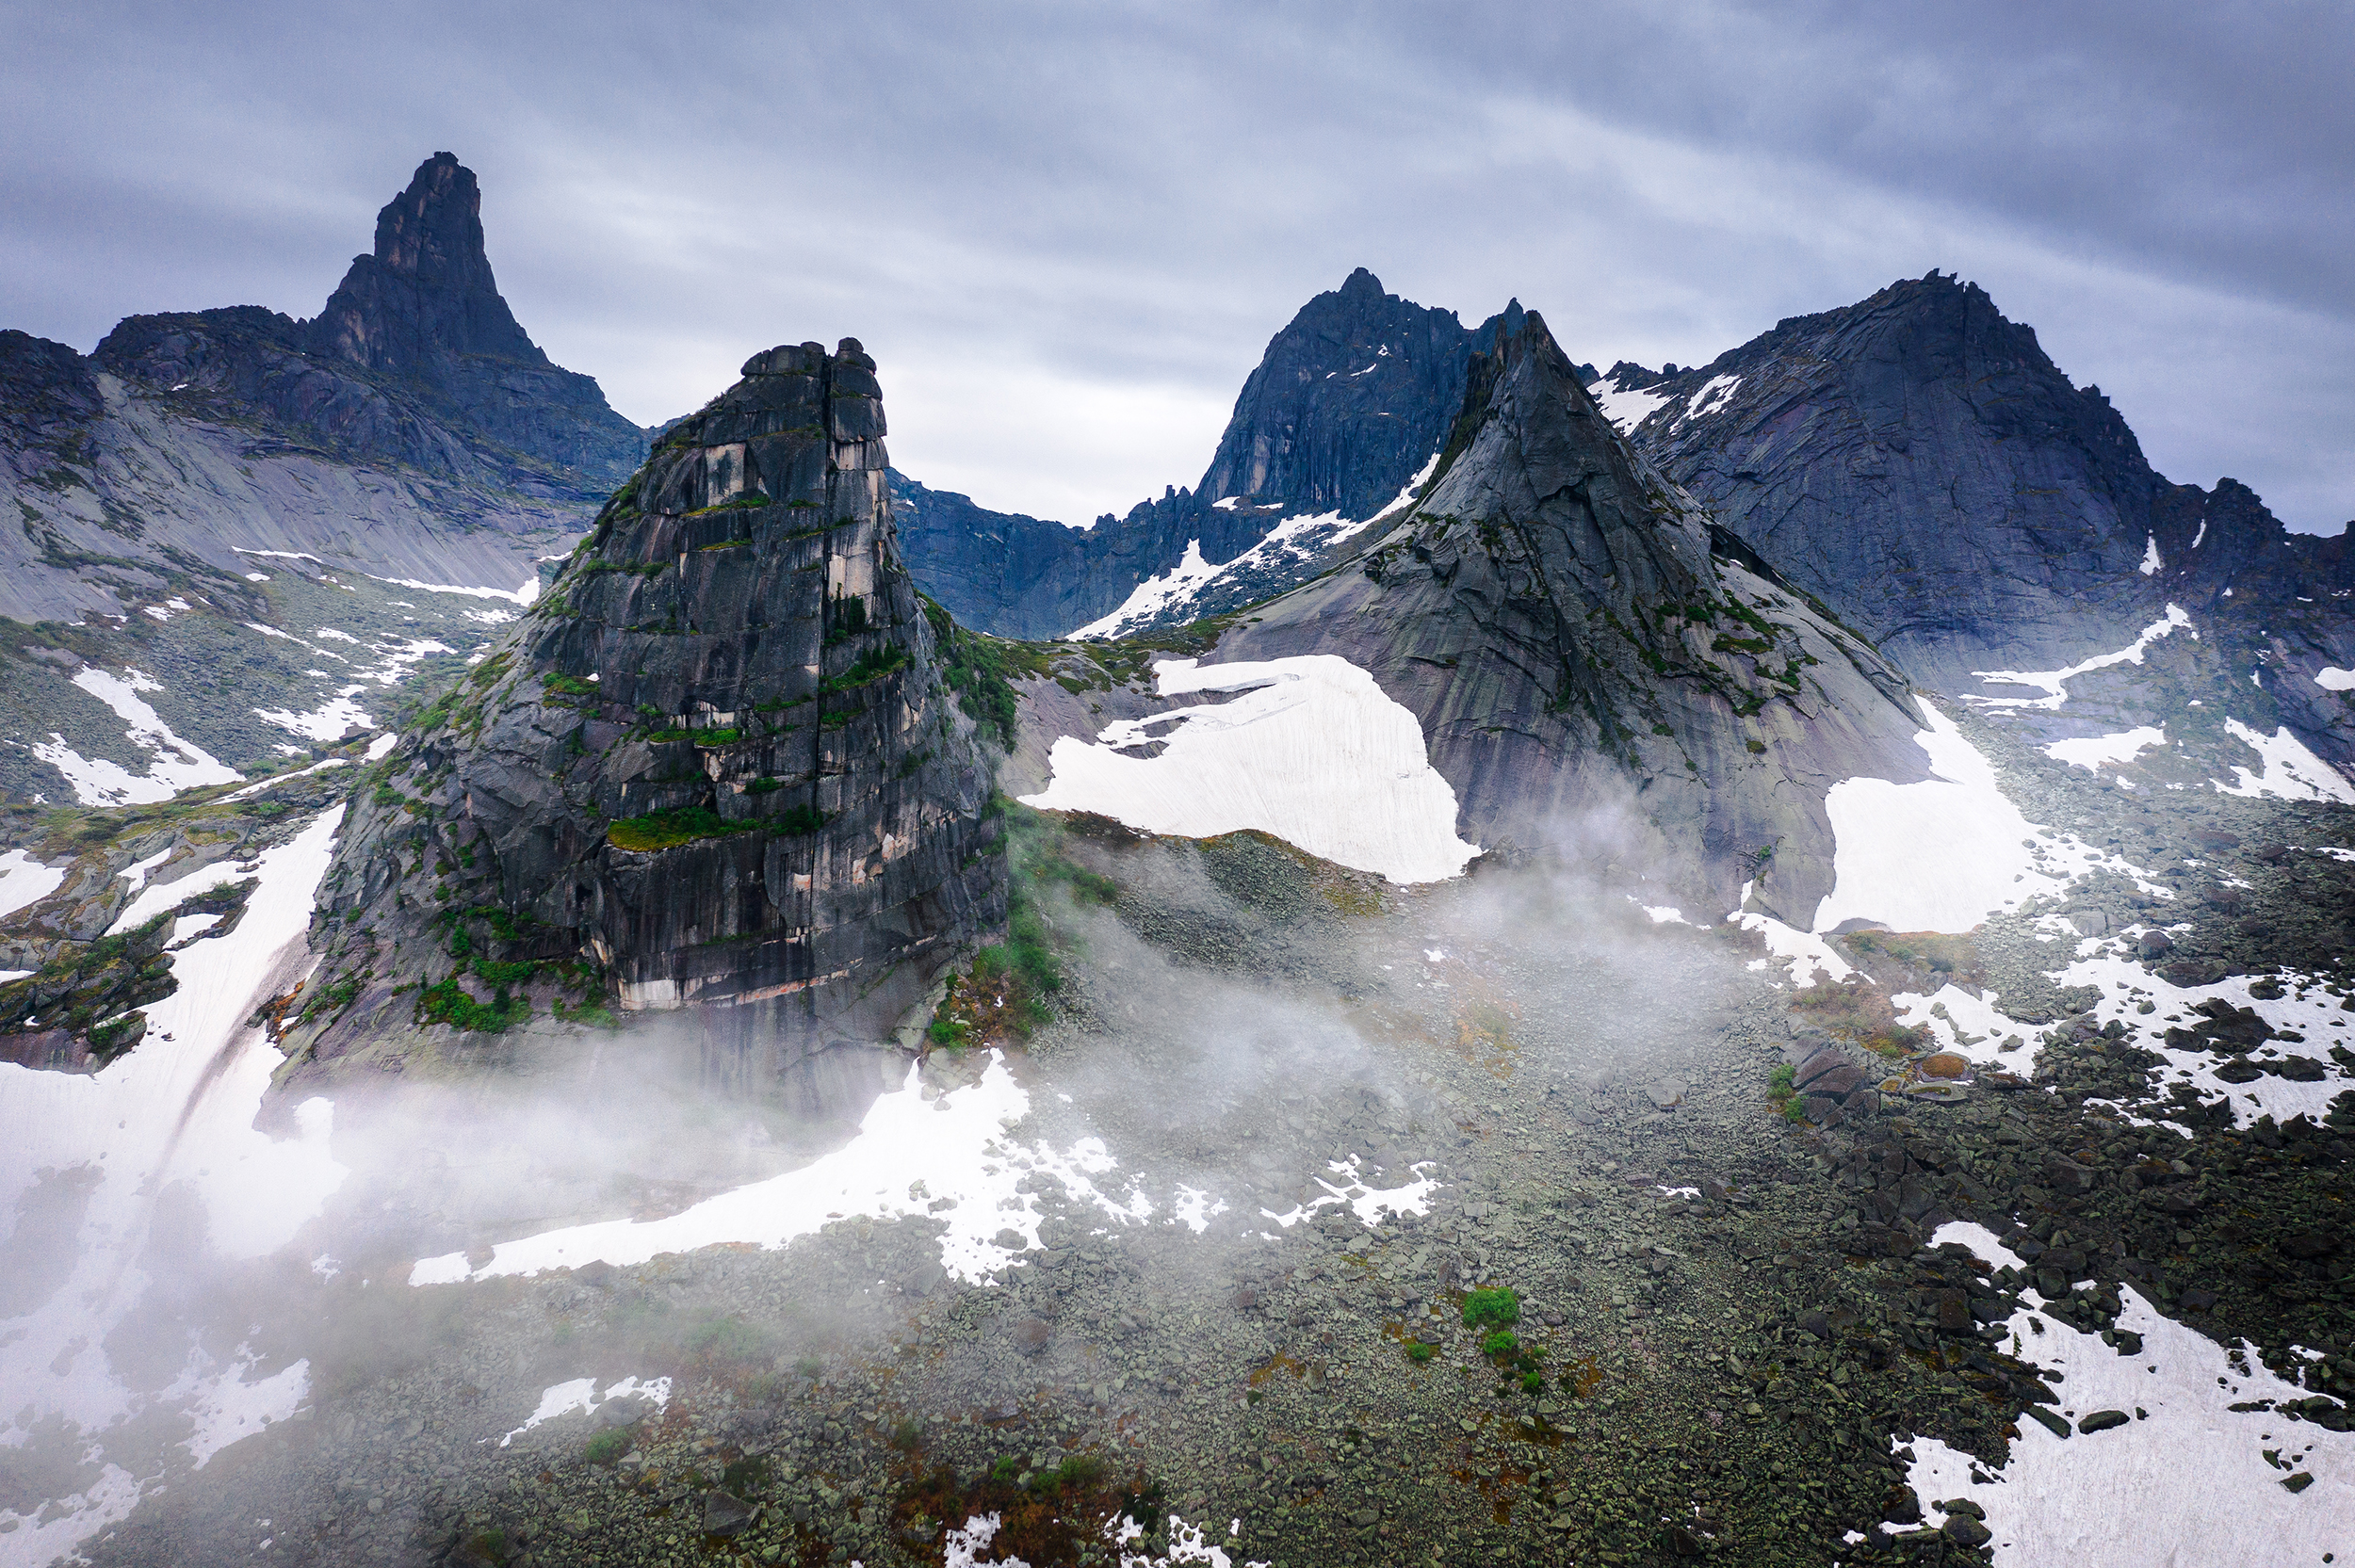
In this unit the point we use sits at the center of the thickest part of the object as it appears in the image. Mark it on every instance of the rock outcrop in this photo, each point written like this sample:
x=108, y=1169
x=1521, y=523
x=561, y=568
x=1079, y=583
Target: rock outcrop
x=715, y=769
x=1919, y=461
x=1601, y=675
x=1347, y=405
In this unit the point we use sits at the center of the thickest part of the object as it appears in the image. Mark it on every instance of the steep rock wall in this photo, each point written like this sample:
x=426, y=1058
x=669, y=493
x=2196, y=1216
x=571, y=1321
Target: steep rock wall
x=715, y=772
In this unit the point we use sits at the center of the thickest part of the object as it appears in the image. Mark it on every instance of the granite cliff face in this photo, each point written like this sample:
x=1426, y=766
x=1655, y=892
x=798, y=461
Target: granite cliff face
x=412, y=434
x=1349, y=402
x=1597, y=673
x=1919, y=461
x=714, y=769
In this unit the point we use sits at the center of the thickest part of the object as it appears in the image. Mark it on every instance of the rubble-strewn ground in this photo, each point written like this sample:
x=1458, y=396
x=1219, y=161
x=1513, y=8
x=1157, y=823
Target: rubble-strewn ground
x=1734, y=1324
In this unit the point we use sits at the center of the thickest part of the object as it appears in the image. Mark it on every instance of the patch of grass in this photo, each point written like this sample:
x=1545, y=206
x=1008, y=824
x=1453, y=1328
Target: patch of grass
x=872, y=665
x=667, y=830
x=567, y=686
x=728, y=736
x=979, y=670
x=1497, y=1307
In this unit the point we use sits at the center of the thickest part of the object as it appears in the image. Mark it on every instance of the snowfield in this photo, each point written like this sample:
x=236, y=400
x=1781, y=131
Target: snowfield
x=177, y=764
x=1310, y=750
x=176, y=1115
x=2055, y=683
x=1943, y=854
x=2186, y=1480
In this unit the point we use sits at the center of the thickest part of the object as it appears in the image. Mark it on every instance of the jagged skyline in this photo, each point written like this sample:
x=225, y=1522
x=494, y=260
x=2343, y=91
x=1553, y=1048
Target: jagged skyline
x=1074, y=239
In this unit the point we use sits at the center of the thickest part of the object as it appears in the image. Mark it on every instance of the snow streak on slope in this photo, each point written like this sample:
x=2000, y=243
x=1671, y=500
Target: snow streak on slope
x=25, y=881
x=1625, y=409
x=2055, y=683
x=177, y=764
x=2091, y=752
x=173, y=1120
x=1295, y=542
x=2291, y=773
x=1310, y=750
x=1943, y=854
x=2127, y=1496
x=911, y=1152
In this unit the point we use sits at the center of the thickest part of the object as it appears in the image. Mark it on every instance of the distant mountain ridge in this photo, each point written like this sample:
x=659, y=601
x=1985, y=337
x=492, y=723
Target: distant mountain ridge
x=411, y=434
x=1919, y=461
x=1351, y=398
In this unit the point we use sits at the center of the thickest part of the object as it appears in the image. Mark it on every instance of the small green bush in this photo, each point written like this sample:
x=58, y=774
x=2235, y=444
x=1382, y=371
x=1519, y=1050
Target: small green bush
x=607, y=1446
x=1504, y=1342
x=1419, y=1352
x=1782, y=1080
x=1795, y=1112
x=1005, y=1471
x=667, y=830
x=1498, y=1307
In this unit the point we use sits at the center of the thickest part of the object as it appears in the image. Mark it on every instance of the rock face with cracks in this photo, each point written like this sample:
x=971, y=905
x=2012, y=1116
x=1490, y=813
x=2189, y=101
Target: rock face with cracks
x=714, y=769
x=1600, y=674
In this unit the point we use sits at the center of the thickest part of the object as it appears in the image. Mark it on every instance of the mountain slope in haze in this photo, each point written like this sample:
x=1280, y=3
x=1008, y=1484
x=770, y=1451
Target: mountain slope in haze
x=1919, y=461
x=205, y=474
x=715, y=768
x=1597, y=677
x=1344, y=411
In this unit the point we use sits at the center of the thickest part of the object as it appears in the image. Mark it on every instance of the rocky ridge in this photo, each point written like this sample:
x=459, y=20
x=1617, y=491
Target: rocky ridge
x=413, y=433
x=1347, y=405
x=1597, y=674
x=715, y=768
x=1919, y=461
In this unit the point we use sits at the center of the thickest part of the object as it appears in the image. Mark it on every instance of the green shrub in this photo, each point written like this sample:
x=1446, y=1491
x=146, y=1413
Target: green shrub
x=607, y=1446
x=1419, y=1352
x=448, y=1003
x=666, y=830
x=567, y=686
x=1781, y=1081
x=728, y=736
x=1497, y=1307
x=1504, y=1342
x=1795, y=1110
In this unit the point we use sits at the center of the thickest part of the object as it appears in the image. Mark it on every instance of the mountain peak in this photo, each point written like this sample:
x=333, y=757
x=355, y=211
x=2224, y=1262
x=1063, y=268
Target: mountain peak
x=1361, y=284
x=427, y=290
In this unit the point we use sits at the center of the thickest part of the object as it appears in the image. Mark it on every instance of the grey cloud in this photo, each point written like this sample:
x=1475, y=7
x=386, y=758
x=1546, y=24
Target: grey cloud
x=1109, y=214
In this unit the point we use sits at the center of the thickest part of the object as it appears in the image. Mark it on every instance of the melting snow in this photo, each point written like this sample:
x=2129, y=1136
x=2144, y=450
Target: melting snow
x=2055, y=682
x=1151, y=596
x=177, y=764
x=1627, y=409
x=2291, y=771
x=330, y=721
x=2332, y=679
x=1311, y=750
x=176, y=1114
x=1714, y=394
x=2185, y=1481
x=2093, y=751
x=24, y=882
x=1943, y=854
x=582, y=1394
x=524, y=596
x=2151, y=562
x=908, y=1152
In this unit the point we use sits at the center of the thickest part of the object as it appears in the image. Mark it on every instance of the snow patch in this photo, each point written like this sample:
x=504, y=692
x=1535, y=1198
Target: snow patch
x=2055, y=683
x=176, y=764
x=1626, y=408
x=2151, y=562
x=581, y=1395
x=2093, y=751
x=2291, y=773
x=1943, y=854
x=330, y=721
x=524, y=596
x=24, y=882
x=909, y=1152
x=2332, y=679
x=2126, y=1498
x=1311, y=750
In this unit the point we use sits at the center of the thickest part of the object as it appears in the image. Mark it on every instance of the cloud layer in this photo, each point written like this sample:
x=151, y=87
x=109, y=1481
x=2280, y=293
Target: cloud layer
x=1066, y=233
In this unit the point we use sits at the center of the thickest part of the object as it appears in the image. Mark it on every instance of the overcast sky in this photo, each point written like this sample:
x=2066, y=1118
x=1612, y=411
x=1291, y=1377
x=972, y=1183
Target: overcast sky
x=1067, y=231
